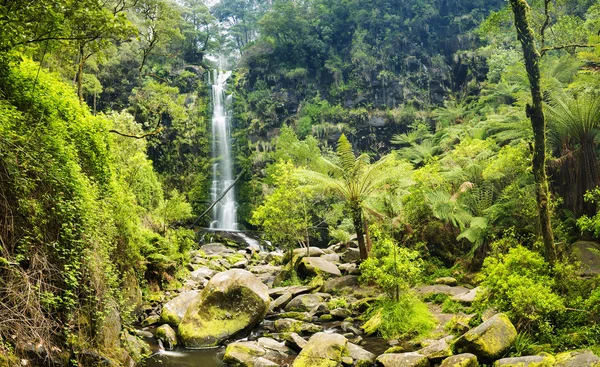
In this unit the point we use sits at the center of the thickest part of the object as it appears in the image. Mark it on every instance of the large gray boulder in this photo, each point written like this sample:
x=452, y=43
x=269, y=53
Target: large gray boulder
x=351, y=255
x=322, y=350
x=467, y=297
x=174, y=310
x=312, y=251
x=232, y=303
x=246, y=354
x=360, y=356
x=411, y=359
x=583, y=358
x=461, y=360
x=437, y=350
x=313, y=266
x=304, y=302
x=490, y=339
x=216, y=249
x=335, y=284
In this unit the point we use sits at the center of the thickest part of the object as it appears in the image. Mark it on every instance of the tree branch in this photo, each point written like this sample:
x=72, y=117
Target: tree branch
x=219, y=198
x=155, y=132
x=546, y=23
x=562, y=47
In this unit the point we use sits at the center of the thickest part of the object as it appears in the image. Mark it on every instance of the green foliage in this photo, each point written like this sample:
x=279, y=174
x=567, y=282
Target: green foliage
x=405, y=318
x=79, y=194
x=520, y=284
x=286, y=213
x=393, y=268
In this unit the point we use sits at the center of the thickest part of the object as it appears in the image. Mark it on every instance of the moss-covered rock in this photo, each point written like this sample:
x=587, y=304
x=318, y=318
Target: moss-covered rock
x=323, y=350
x=135, y=347
x=411, y=359
x=232, y=303
x=437, y=350
x=304, y=302
x=243, y=354
x=150, y=320
x=313, y=266
x=302, y=316
x=488, y=340
x=461, y=360
x=174, y=310
x=333, y=285
x=296, y=326
x=167, y=335
x=583, y=358
x=361, y=356
x=527, y=361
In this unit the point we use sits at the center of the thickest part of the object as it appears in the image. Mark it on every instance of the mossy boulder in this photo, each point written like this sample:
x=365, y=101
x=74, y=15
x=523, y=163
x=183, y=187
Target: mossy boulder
x=167, y=335
x=437, y=350
x=304, y=302
x=296, y=326
x=360, y=356
x=411, y=359
x=333, y=285
x=135, y=347
x=150, y=320
x=526, y=361
x=582, y=358
x=461, y=360
x=232, y=303
x=247, y=354
x=313, y=266
x=323, y=350
x=173, y=311
x=490, y=339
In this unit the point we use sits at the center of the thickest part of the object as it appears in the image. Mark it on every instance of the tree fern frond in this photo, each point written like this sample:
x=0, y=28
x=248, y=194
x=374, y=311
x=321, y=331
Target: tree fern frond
x=345, y=153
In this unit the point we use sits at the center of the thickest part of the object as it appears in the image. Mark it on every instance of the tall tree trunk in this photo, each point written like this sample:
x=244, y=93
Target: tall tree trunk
x=535, y=113
x=80, y=74
x=357, y=218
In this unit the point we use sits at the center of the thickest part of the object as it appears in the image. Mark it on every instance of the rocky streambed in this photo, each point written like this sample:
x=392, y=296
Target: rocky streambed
x=238, y=308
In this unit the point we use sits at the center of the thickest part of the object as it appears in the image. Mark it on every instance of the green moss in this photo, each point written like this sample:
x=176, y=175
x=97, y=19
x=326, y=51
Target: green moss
x=212, y=318
x=325, y=317
x=395, y=349
x=169, y=317
x=303, y=316
x=211, y=330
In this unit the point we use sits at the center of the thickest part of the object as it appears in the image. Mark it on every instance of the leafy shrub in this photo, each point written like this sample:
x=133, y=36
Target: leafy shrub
x=519, y=283
x=407, y=317
x=391, y=267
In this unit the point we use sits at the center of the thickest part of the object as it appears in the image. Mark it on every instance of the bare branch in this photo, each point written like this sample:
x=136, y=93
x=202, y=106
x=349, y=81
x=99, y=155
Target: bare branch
x=155, y=132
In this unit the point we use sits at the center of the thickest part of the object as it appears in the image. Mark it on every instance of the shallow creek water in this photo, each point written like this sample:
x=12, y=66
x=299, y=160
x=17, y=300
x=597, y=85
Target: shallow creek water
x=181, y=357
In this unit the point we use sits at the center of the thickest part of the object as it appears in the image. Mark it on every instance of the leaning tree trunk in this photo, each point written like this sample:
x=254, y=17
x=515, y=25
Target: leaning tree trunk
x=357, y=218
x=535, y=113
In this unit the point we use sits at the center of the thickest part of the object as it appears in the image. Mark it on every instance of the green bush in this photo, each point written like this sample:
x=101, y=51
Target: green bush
x=392, y=267
x=520, y=284
x=408, y=317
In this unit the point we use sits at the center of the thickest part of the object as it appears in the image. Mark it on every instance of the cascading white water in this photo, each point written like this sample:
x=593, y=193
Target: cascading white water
x=224, y=213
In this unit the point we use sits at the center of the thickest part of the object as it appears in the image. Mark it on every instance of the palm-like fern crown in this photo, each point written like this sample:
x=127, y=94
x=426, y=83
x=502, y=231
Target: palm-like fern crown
x=353, y=178
x=576, y=116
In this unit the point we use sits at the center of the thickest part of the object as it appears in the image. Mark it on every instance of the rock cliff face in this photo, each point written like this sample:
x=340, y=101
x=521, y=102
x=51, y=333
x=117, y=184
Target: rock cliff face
x=232, y=303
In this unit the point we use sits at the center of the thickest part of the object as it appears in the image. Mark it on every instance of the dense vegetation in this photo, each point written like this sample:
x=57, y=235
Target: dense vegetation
x=408, y=126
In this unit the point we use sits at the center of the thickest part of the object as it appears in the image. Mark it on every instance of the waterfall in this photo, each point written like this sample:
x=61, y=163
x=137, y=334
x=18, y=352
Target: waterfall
x=224, y=213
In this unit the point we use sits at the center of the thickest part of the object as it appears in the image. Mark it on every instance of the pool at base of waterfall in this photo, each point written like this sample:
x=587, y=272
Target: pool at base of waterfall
x=181, y=357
